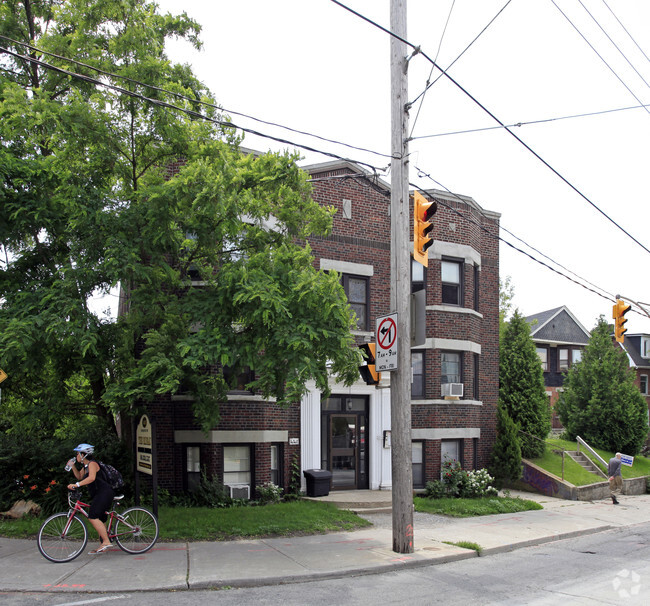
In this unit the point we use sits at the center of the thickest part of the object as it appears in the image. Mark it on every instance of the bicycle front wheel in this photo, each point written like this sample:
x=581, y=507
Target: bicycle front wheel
x=62, y=538
x=137, y=530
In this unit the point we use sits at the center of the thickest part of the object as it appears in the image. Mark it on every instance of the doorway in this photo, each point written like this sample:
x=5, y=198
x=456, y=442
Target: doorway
x=344, y=443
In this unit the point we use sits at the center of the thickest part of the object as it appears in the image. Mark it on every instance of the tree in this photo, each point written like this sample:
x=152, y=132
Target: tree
x=506, y=295
x=600, y=401
x=521, y=386
x=210, y=255
x=505, y=462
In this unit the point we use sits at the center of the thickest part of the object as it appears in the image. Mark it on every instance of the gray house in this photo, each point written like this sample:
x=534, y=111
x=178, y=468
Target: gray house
x=559, y=338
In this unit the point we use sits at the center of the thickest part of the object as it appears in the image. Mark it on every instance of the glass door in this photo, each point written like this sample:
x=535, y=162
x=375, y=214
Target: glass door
x=343, y=451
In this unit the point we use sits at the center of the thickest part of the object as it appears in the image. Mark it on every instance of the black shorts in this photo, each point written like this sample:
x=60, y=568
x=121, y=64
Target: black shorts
x=101, y=503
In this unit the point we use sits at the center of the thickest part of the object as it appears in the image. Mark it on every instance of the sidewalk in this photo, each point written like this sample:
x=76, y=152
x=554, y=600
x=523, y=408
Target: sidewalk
x=298, y=559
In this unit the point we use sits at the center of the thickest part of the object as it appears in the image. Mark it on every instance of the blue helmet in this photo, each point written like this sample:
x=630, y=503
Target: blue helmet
x=85, y=448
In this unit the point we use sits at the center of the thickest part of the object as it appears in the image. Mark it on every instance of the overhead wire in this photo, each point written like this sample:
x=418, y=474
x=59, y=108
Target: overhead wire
x=602, y=29
x=229, y=124
x=598, y=54
x=192, y=113
x=189, y=99
x=419, y=50
x=625, y=30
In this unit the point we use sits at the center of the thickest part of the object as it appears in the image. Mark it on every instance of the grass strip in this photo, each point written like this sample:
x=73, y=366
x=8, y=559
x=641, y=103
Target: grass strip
x=466, y=508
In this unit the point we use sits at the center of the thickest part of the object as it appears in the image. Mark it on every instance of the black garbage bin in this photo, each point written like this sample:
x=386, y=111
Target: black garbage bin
x=318, y=482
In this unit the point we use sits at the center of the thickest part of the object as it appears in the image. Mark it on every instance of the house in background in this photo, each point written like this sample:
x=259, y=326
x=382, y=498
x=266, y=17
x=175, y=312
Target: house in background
x=637, y=348
x=455, y=372
x=560, y=339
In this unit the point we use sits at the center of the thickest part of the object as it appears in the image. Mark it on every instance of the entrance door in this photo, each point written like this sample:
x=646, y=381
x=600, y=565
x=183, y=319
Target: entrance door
x=343, y=441
x=343, y=451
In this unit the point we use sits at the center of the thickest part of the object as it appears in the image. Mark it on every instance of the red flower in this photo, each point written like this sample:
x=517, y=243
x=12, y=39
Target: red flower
x=33, y=487
x=53, y=482
x=48, y=489
x=26, y=476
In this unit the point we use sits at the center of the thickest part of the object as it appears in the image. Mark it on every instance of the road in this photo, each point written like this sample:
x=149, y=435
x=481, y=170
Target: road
x=607, y=568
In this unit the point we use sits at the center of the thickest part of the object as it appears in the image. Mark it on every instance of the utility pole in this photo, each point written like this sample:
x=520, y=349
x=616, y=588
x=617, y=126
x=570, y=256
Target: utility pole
x=400, y=383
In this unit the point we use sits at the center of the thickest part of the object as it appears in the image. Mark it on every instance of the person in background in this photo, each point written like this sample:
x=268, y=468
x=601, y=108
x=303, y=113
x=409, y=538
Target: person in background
x=615, y=477
x=100, y=491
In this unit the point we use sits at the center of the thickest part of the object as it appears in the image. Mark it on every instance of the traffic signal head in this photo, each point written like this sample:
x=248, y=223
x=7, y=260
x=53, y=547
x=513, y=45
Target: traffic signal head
x=367, y=370
x=619, y=310
x=423, y=211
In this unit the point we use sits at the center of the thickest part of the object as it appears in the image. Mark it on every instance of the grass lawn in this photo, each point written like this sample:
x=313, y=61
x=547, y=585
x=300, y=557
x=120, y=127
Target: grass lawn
x=640, y=468
x=465, y=508
x=573, y=473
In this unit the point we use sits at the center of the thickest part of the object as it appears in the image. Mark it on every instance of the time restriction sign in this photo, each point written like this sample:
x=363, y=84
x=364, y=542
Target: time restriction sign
x=386, y=350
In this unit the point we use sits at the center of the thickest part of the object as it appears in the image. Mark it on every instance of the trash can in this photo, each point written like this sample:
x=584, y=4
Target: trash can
x=318, y=482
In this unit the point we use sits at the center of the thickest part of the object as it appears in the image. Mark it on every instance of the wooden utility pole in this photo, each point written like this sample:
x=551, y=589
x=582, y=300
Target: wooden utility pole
x=400, y=382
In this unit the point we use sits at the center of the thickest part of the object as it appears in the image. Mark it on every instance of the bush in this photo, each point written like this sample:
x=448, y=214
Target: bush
x=456, y=482
x=211, y=493
x=269, y=493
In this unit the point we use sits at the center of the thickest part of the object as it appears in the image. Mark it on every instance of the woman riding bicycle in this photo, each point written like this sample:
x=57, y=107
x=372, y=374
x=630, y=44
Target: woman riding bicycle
x=100, y=491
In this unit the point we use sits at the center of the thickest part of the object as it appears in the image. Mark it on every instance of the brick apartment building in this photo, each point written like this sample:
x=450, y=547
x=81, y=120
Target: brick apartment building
x=257, y=441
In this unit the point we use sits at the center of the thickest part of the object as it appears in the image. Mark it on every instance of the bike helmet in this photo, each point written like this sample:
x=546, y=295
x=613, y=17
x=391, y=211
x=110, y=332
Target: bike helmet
x=85, y=449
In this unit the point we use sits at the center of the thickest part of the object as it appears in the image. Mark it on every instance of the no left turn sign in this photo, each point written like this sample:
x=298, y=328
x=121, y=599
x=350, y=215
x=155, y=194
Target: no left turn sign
x=386, y=338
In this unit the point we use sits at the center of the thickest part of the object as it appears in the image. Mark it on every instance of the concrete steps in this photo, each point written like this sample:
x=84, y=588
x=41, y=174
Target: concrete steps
x=585, y=462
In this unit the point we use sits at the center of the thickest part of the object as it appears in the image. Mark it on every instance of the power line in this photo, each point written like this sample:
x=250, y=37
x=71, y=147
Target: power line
x=189, y=112
x=531, y=122
x=598, y=54
x=625, y=30
x=231, y=125
x=418, y=50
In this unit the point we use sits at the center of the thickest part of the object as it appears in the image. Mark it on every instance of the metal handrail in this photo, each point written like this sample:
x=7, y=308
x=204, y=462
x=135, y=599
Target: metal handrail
x=591, y=451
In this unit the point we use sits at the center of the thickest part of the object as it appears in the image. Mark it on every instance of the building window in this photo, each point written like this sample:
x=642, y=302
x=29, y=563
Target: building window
x=236, y=465
x=643, y=384
x=562, y=359
x=451, y=450
x=238, y=378
x=451, y=282
x=542, y=352
x=418, y=276
x=477, y=284
x=576, y=356
x=276, y=464
x=645, y=347
x=192, y=467
x=357, y=291
x=417, y=455
x=417, y=374
x=476, y=377
x=451, y=365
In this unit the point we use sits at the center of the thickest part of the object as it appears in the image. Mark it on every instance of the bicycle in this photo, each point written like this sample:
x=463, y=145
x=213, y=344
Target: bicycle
x=64, y=536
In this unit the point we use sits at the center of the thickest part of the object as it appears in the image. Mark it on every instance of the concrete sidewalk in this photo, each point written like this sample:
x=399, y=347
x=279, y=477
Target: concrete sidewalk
x=298, y=559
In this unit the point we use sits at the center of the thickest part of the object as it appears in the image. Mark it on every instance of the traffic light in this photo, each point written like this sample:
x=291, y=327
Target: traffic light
x=423, y=210
x=367, y=370
x=619, y=310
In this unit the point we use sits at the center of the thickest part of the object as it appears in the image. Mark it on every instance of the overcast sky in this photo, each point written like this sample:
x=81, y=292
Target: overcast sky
x=313, y=66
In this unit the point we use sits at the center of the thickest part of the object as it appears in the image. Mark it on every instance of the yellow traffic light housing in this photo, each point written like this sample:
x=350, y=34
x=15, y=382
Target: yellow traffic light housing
x=423, y=210
x=618, y=312
x=368, y=372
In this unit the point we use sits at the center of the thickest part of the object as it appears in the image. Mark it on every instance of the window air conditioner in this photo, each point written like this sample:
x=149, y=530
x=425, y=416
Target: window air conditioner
x=454, y=390
x=240, y=491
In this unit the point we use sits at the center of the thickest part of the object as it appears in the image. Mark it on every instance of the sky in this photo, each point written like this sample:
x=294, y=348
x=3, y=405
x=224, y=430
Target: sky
x=313, y=66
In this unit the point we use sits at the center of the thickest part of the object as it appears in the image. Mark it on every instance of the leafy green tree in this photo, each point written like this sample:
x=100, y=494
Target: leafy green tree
x=600, y=401
x=521, y=386
x=211, y=256
x=505, y=462
x=506, y=295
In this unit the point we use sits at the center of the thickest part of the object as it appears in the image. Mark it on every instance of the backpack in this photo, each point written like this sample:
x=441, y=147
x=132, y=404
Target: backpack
x=112, y=477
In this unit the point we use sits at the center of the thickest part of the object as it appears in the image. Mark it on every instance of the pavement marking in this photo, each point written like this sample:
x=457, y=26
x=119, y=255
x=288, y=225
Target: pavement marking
x=95, y=600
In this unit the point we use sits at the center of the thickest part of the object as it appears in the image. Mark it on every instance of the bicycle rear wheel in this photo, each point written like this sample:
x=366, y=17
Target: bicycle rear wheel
x=138, y=531
x=59, y=541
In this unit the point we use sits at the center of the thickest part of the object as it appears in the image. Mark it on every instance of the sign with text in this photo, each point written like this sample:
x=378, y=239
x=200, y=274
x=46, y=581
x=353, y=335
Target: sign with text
x=3, y=375
x=386, y=339
x=144, y=446
x=627, y=460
